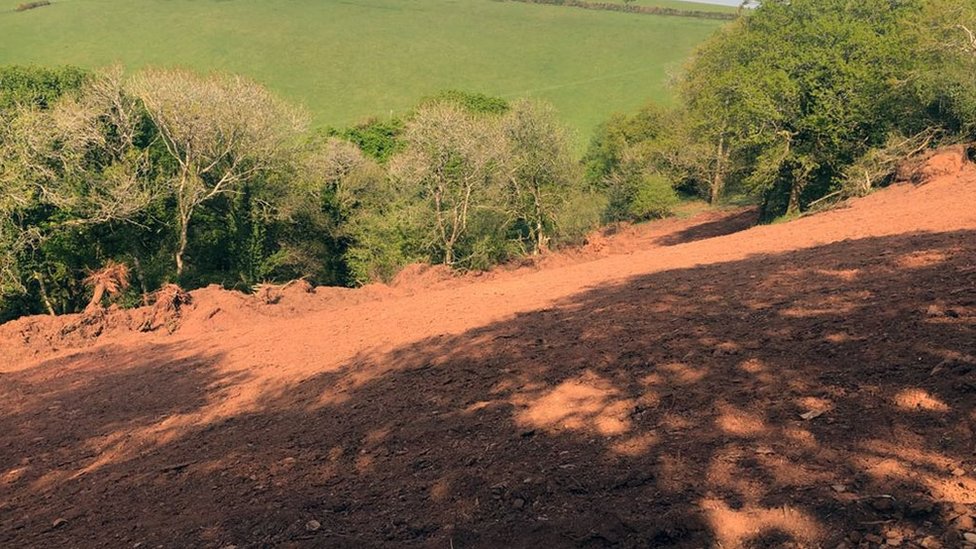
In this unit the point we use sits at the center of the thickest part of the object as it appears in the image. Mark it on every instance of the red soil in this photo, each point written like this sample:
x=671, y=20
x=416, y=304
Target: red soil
x=805, y=384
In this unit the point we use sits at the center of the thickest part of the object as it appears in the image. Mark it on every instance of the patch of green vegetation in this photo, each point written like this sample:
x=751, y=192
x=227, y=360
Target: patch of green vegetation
x=349, y=60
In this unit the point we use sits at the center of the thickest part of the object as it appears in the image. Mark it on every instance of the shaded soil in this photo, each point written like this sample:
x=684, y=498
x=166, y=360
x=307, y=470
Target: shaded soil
x=681, y=384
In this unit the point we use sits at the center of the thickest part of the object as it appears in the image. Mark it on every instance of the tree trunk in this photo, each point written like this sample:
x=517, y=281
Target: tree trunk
x=96, y=300
x=794, y=205
x=43, y=292
x=718, y=179
x=541, y=240
x=142, y=280
x=181, y=248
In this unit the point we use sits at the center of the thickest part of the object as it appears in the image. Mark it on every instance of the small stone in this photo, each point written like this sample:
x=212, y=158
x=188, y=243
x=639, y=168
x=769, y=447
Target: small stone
x=964, y=523
x=518, y=503
x=920, y=508
x=930, y=542
x=313, y=525
x=839, y=488
x=59, y=522
x=970, y=537
x=958, y=472
x=894, y=541
x=872, y=538
x=882, y=504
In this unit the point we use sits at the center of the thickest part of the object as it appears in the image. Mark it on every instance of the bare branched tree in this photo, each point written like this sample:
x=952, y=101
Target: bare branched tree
x=453, y=157
x=78, y=157
x=221, y=131
x=539, y=167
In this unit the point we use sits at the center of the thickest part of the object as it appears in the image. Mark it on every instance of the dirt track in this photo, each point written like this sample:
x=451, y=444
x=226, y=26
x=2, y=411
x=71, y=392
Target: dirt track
x=647, y=391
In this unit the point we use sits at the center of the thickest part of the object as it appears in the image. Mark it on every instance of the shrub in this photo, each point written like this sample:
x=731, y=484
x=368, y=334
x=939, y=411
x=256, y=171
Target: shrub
x=477, y=103
x=577, y=215
x=378, y=139
x=31, y=5
x=654, y=198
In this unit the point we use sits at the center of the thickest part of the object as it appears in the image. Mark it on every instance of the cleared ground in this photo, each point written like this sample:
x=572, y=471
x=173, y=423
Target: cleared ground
x=690, y=383
x=346, y=60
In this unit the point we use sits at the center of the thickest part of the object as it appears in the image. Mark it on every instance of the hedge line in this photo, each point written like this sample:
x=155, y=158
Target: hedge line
x=633, y=8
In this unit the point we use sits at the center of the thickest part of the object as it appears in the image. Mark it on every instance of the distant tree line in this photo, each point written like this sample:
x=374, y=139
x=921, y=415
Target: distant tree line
x=629, y=7
x=200, y=179
x=803, y=101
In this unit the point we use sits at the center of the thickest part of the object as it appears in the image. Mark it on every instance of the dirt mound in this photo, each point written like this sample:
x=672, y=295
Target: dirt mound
x=418, y=276
x=692, y=383
x=945, y=163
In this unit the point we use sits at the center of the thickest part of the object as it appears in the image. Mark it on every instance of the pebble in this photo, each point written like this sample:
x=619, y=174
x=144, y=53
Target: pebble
x=969, y=537
x=518, y=503
x=958, y=472
x=920, y=508
x=58, y=523
x=965, y=523
x=931, y=542
x=882, y=504
x=872, y=538
x=894, y=542
x=313, y=525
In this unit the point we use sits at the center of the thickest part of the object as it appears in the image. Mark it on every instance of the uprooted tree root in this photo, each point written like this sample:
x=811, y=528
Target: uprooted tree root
x=110, y=280
x=167, y=309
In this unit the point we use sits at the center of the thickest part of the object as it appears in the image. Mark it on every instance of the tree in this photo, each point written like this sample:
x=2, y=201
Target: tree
x=66, y=169
x=539, y=167
x=451, y=161
x=791, y=95
x=220, y=131
x=942, y=81
x=619, y=133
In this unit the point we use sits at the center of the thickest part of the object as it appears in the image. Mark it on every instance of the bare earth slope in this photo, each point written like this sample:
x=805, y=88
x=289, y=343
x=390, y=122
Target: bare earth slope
x=804, y=384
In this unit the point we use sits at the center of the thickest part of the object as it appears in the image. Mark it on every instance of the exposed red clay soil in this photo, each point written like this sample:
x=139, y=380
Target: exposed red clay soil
x=690, y=383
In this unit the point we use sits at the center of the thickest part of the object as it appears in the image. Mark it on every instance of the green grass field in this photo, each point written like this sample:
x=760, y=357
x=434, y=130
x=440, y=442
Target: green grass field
x=349, y=59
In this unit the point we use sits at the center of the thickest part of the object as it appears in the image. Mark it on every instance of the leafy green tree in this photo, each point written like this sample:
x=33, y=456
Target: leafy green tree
x=619, y=133
x=945, y=62
x=797, y=91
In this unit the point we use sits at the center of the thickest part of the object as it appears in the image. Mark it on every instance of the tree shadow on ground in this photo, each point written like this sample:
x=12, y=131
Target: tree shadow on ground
x=780, y=401
x=727, y=225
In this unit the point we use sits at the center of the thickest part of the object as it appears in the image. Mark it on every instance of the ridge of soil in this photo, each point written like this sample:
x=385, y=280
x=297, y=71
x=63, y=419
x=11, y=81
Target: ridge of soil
x=687, y=383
